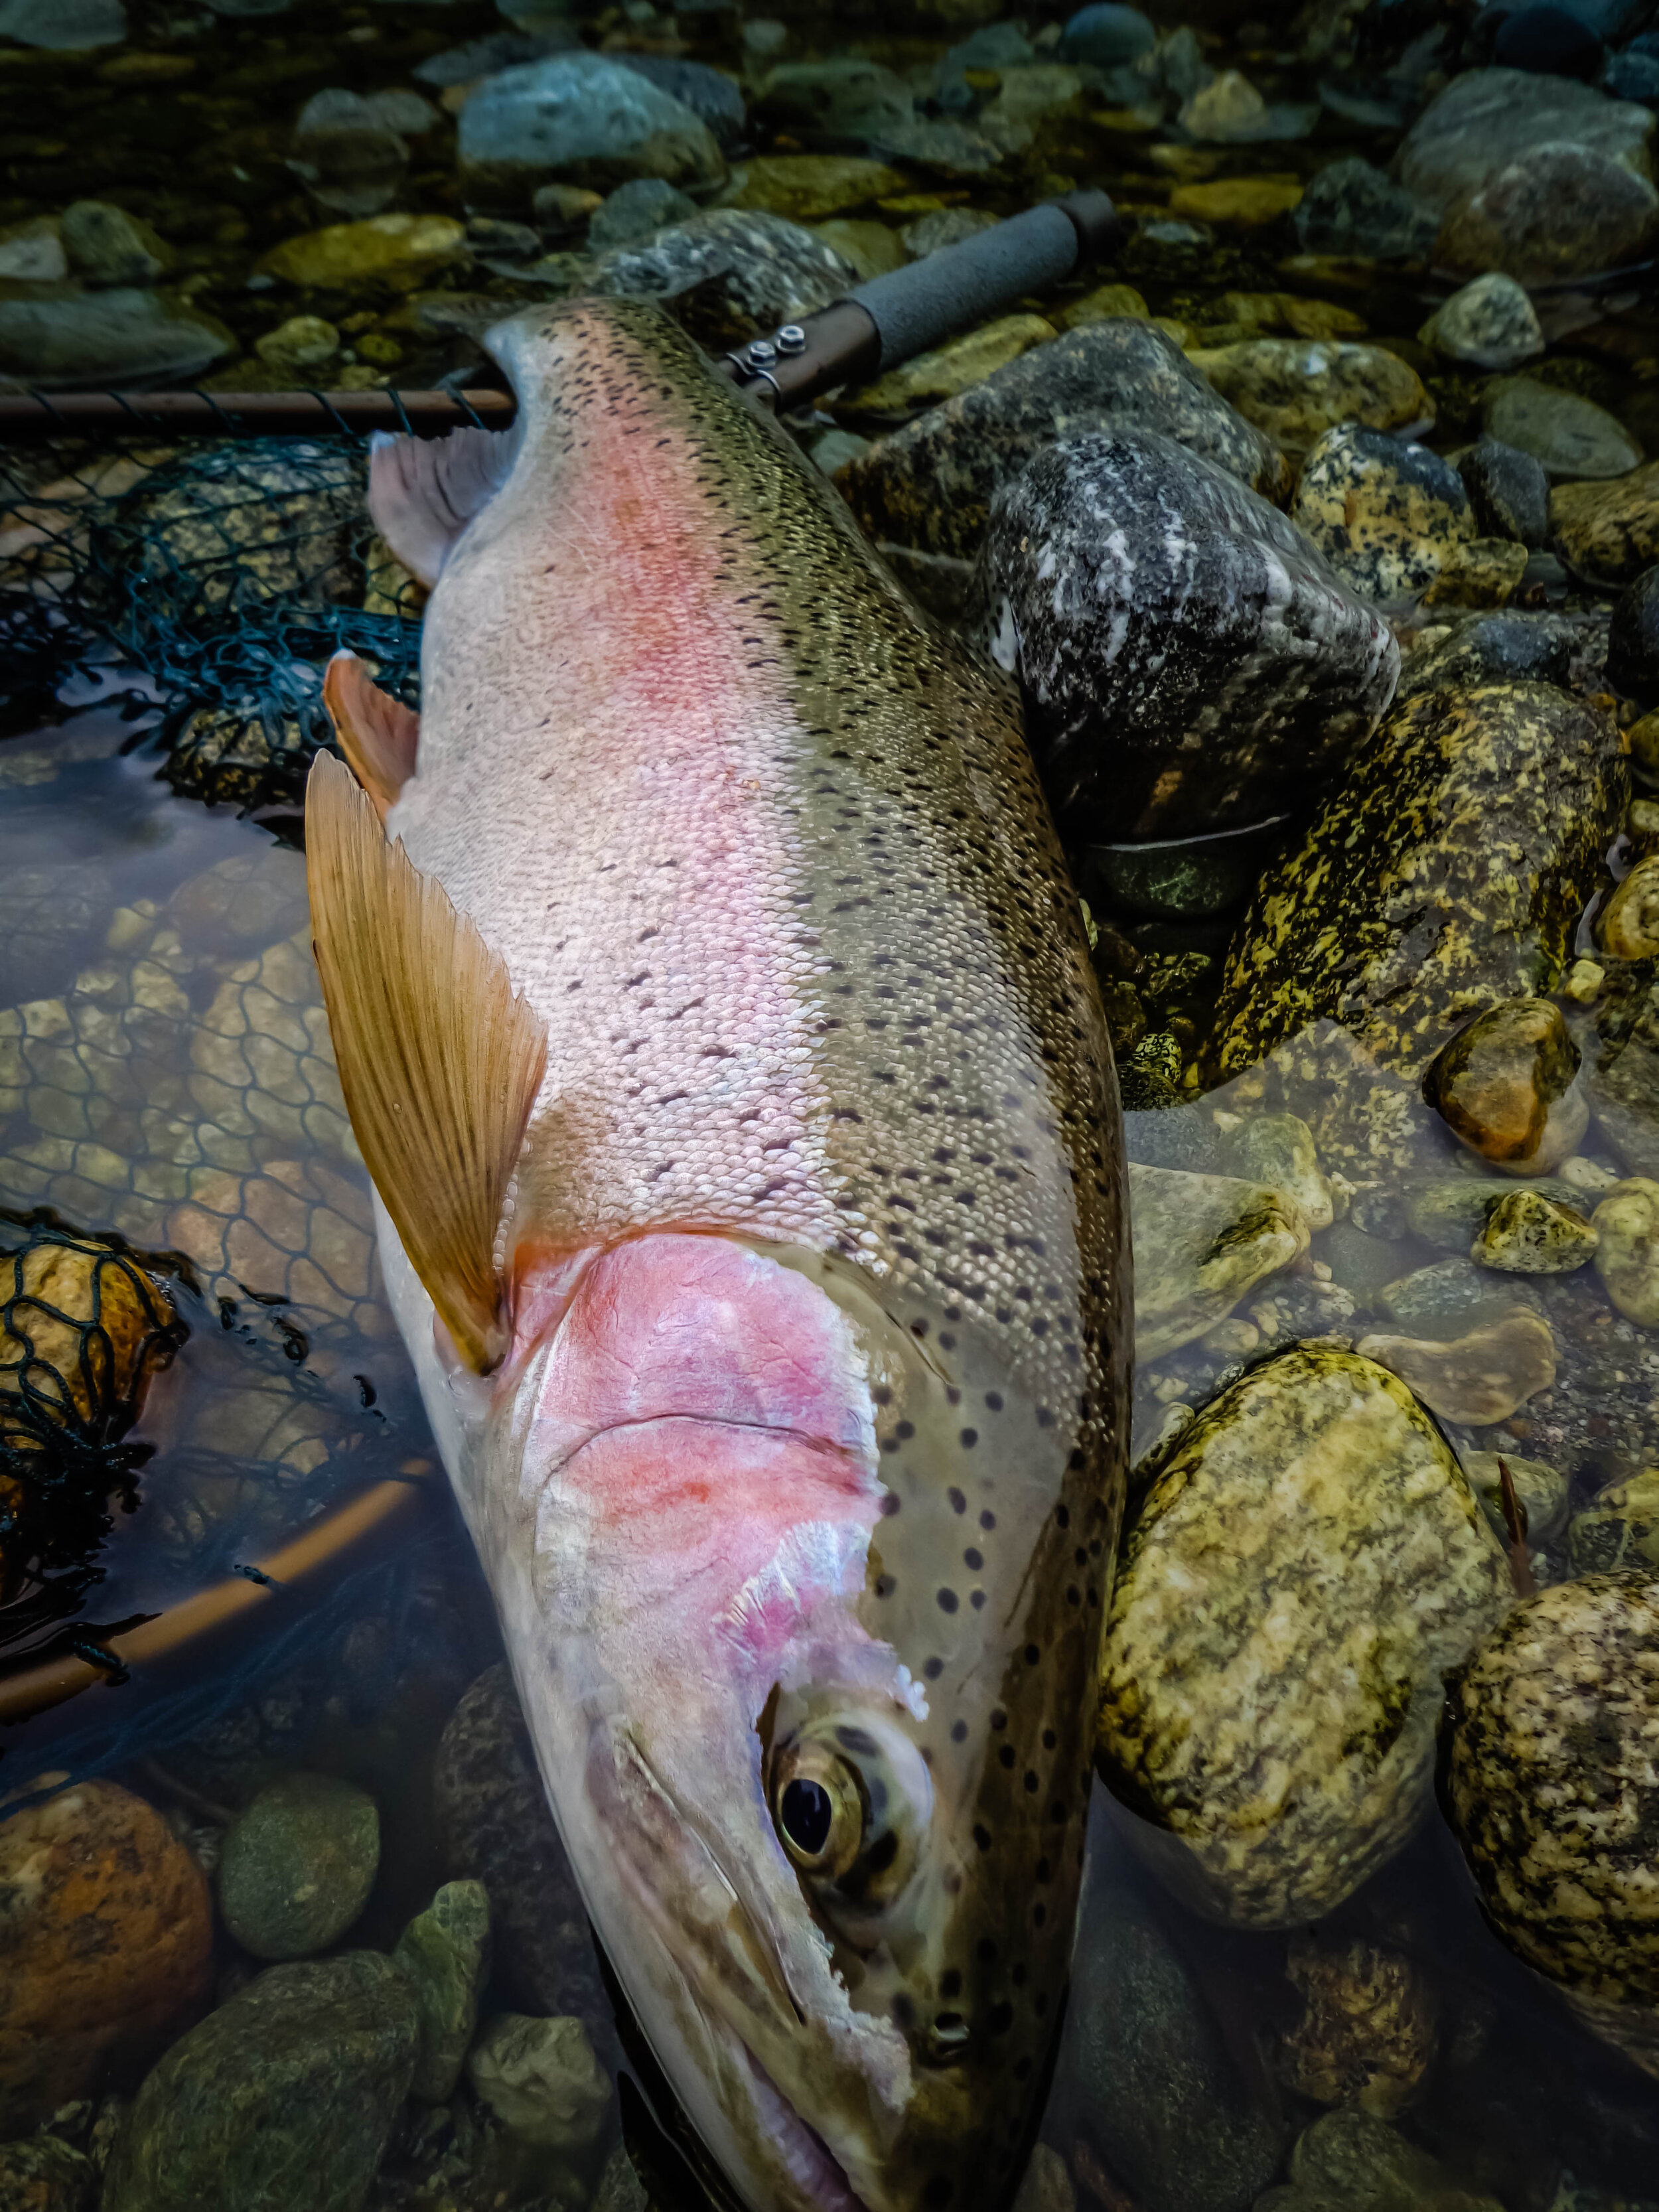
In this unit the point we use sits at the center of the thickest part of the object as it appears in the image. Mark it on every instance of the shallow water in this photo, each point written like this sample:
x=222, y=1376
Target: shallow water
x=273, y=1580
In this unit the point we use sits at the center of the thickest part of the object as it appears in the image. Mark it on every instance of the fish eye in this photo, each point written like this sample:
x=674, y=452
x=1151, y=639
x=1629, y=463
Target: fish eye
x=818, y=1807
x=851, y=1800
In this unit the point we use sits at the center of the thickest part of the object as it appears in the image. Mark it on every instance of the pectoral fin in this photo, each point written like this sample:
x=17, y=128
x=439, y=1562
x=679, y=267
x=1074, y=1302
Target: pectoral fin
x=378, y=734
x=439, y=1059
x=422, y=492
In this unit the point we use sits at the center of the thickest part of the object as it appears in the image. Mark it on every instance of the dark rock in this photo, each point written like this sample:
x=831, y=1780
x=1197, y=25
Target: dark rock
x=1471, y=828
x=1568, y=435
x=1487, y=118
x=1368, y=2028
x=444, y=1953
x=581, y=118
x=1387, y=515
x=120, y=337
x=1188, y=661
x=1549, y=40
x=44, y=2175
x=1175, y=1138
x=489, y=55
x=1505, y=647
x=495, y=1826
x=837, y=103
x=1159, y=2092
x=1551, y=1738
x=1354, y=2160
x=712, y=96
x=1553, y=214
x=931, y=483
x=64, y=25
x=1632, y=76
x=1608, y=532
x=1633, y=641
x=107, y=246
x=1350, y=208
x=1504, y=1087
x=1107, y=34
x=348, y=157
x=1508, y=490
x=298, y=1865
x=729, y=273
x=281, y=2101
x=635, y=210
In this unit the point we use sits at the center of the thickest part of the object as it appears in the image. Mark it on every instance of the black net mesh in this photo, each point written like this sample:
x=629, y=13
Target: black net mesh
x=218, y=579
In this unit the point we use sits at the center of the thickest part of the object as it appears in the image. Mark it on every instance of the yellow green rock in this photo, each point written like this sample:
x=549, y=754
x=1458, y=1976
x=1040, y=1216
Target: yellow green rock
x=951, y=367
x=871, y=247
x=1242, y=203
x=811, y=187
x=1296, y=390
x=399, y=250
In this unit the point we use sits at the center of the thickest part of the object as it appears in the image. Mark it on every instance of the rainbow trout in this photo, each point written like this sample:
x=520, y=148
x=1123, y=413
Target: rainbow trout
x=717, y=1025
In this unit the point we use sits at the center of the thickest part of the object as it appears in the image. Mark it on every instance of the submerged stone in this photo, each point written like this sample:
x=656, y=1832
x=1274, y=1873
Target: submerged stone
x=952, y=367
x=1627, y=927
x=931, y=483
x=1567, y=435
x=1305, y=1566
x=1504, y=646
x=585, y=119
x=401, y=251
x=444, y=1953
x=1619, y=1529
x=733, y=271
x=1368, y=2030
x=1527, y=1234
x=1508, y=493
x=1482, y=1378
x=1633, y=652
x=1627, y=1259
x=637, y=209
x=1387, y=515
x=298, y=1865
x=807, y=187
x=1504, y=1087
x=1608, y=532
x=1279, y=1150
x=1555, y=213
x=1487, y=119
x=542, y=2081
x=1200, y=1241
x=1490, y=324
x=1187, y=660
x=1539, y=1491
x=117, y=337
x=1354, y=2161
x=1350, y=208
x=1296, y=391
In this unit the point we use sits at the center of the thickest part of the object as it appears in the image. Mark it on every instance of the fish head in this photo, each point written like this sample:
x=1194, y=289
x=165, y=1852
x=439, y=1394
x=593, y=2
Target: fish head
x=809, y=1667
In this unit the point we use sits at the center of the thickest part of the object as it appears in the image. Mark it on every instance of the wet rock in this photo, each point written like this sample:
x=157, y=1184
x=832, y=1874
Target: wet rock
x=1163, y=2094
x=399, y=251
x=729, y=272
x=561, y=211
x=1556, y=212
x=117, y=337
x=1633, y=654
x=46, y=2175
x=347, y=154
x=840, y=101
x=32, y=251
x=931, y=483
x=712, y=96
x=1633, y=75
x=1447, y=1299
x=1295, y=392
x=1351, y=209
x=1387, y=516
x=1552, y=1734
x=107, y=246
x=64, y=26
x=1279, y=1150
x=1608, y=532
x=1241, y=202
x=637, y=209
x=1509, y=493
x=1619, y=1529
x=1548, y=41
x=1368, y=2028
x=1539, y=1491
x=1483, y=572
x=444, y=1953
x=298, y=1865
x=1201, y=1241
x=1448, y=1210
x=1186, y=659
x=1482, y=1378
x=1107, y=35
x=494, y=1826
x=1527, y=1234
x=1228, y=110
x=1566, y=435
x=945, y=226
x=947, y=370
x=106, y=1942
x=298, y=349
x=585, y=119
x=1304, y=1567
x=808, y=187
x=873, y=248
x=621, y=2189
x=1503, y=647
x=1047, y=2187
x=1489, y=323
x=542, y=2081
x=1487, y=118
x=1627, y=1259
x=1356, y=2160
x=282, y=2100
x=1472, y=826
x=1628, y=926
x=1504, y=1087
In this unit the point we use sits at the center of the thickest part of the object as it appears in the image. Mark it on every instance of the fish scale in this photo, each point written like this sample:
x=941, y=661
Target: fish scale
x=809, y=1443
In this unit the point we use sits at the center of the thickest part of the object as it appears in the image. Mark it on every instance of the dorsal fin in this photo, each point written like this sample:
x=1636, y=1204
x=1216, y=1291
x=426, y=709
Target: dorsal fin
x=439, y=1060
x=378, y=733
x=422, y=492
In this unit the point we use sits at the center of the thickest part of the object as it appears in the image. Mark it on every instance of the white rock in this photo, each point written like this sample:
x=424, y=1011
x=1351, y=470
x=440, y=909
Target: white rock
x=1490, y=324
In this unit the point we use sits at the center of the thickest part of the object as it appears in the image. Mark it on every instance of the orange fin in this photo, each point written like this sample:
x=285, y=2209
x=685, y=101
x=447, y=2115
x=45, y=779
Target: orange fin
x=439, y=1059
x=422, y=492
x=378, y=733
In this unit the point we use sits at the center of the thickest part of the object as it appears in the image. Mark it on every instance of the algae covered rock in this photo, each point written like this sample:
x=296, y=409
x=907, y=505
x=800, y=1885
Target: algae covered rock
x=1551, y=1742
x=298, y=1865
x=1446, y=872
x=931, y=484
x=1355, y=2161
x=1368, y=2029
x=1187, y=659
x=1628, y=926
x=444, y=1953
x=1302, y=1571
x=1619, y=1529
x=1539, y=1491
x=1387, y=515
x=1608, y=532
x=1627, y=1223
x=1295, y=392
x=1200, y=1241
x=284, y=2096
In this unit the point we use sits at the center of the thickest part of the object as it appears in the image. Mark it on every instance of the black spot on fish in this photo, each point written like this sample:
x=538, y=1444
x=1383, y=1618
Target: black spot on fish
x=958, y=1503
x=947, y=1601
x=950, y=1982
x=1033, y=1653
x=987, y=1520
x=959, y=1732
x=856, y=1739
x=933, y=1669
x=969, y=1438
x=1007, y=1754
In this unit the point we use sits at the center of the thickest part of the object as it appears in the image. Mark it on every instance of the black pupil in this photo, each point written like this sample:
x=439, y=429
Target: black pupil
x=806, y=1812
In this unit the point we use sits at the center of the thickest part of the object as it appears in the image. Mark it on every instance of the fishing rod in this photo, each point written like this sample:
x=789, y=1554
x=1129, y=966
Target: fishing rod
x=877, y=325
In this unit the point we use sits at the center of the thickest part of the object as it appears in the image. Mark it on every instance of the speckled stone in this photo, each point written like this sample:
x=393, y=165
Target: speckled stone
x=1351, y=207
x=1485, y=572
x=1296, y=390
x=1446, y=1299
x=444, y=1953
x=298, y=1865
x=1447, y=1211
x=1608, y=532
x=1526, y=1234
x=1353, y=2161
x=1385, y=515
x=1490, y=324
x=751, y=270
x=1482, y=1378
x=1555, y=213
x=1627, y=927
x=43, y=2174
x=1550, y=1746
x=1619, y=1529
x=1627, y=1222
x=1449, y=869
x=1187, y=660
x=1508, y=493
x=1368, y=2028
x=931, y=484
x=1504, y=1087
x=1485, y=118
x=1279, y=1150
x=1570, y=437
x=1200, y=1241
x=1633, y=641
x=1293, y=1586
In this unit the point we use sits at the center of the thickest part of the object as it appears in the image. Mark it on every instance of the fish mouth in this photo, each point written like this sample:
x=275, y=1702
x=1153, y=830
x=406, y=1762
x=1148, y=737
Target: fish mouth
x=811, y=2165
